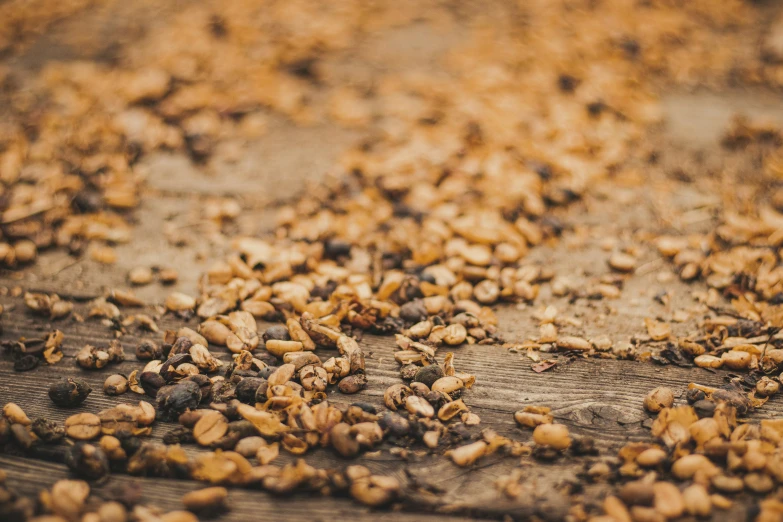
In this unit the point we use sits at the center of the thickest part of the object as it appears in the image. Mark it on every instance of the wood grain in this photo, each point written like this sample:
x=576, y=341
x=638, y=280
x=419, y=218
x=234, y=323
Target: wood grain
x=595, y=398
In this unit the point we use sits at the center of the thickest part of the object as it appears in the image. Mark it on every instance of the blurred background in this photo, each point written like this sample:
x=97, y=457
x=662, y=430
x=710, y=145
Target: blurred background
x=184, y=122
x=153, y=133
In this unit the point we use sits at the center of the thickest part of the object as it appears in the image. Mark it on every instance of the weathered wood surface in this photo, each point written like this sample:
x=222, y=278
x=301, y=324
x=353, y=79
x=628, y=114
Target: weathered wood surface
x=596, y=398
x=599, y=399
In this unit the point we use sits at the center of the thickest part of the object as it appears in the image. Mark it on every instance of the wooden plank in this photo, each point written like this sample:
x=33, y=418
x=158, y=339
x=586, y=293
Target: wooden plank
x=595, y=398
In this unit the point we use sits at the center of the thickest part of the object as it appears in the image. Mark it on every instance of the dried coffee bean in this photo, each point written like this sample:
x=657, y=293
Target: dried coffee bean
x=248, y=447
x=727, y=484
x=87, y=460
x=150, y=459
x=437, y=399
x=352, y=383
x=694, y=395
x=467, y=455
x=115, y=351
x=276, y=332
x=413, y=311
x=448, y=384
x=354, y=414
x=759, y=483
x=181, y=345
x=704, y=408
x=336, y=248
x=583, y=446
x=313, y=378
x=183, y=396
x=115, y=385
x=203, y=381
x=343, y=441
x=708, y=361
x=375, y=490
x=112, y=511
x=168, y=369
x=395, y=396
x=420, y=389
x=395, y=424
x=686, y=467
x=408, y=372
x=15, y=414
x=83, y=426
x=281, y=348
x=67, y=498
x=531, y=419
x=140, y=275
x=48, y=430
x=637, y=493
x=209, y=500
x=668, y=500
x=658, y=399
x=147, y=350
x=246, y=389
x=92, y=358
x=210, y=428
x=238, y=374
x=151, y=382
x=365, y=407
x=697, y=501
x=26, y=363
x=573, y=343
x=179, y=435
x=23, y=435
x=552, y=435
x=388, y=326
x=130, y=443
x=224, y=392
x=112, y=447
x=242, y=428
x=766, y=387
x=736, y=360
x=87, y=201
x=486, y=292
x=460, y=432
x=69, y=392
x=613, y=506
x=418, y=406
x=226, y=443
x=651, y=457
x=622, y=262
x=145, y=413
x=168, y=276
x=737, y=398
x=429, y=374
x=302, y=359
x=546, y=453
